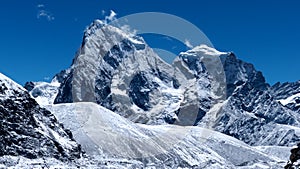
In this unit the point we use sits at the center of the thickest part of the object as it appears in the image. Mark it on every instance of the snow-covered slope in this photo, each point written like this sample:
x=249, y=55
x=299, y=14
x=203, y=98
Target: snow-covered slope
x=28, y=130
x=160, y=146
x=294, y=99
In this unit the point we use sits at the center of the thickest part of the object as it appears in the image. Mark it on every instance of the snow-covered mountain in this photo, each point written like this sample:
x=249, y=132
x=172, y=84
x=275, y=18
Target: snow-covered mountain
x=130, y=109
x=127, y=77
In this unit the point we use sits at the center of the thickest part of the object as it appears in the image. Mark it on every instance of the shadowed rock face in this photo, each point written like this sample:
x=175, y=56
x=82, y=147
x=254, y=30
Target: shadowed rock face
x=139, y=91
x=30, y=131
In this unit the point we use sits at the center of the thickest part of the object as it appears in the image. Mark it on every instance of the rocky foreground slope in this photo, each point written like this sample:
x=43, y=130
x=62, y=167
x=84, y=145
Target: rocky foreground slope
x=30, y=131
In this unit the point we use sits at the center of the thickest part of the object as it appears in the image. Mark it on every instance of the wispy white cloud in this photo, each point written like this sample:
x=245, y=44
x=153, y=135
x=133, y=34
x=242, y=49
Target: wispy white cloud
x=40, y=5
x=103, y=12
x=45, y=14
x=42, y=13
x=111, y=16
x=188, y=43
x=125, y=28
x=47, y=78
x=128, y=30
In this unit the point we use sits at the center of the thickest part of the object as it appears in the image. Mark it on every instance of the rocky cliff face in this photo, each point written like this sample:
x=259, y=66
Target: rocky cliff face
x=30, y=131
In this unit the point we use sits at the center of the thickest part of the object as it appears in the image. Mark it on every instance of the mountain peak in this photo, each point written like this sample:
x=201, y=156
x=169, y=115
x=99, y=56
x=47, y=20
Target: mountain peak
x=97, y=23
x=205, y=50
x=8, y=85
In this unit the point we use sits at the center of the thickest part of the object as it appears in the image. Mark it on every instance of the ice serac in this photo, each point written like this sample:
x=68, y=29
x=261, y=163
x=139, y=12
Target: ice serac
x=31, y=131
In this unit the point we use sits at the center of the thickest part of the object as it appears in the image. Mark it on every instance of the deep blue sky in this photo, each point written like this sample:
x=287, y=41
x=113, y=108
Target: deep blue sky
x=265, y=33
